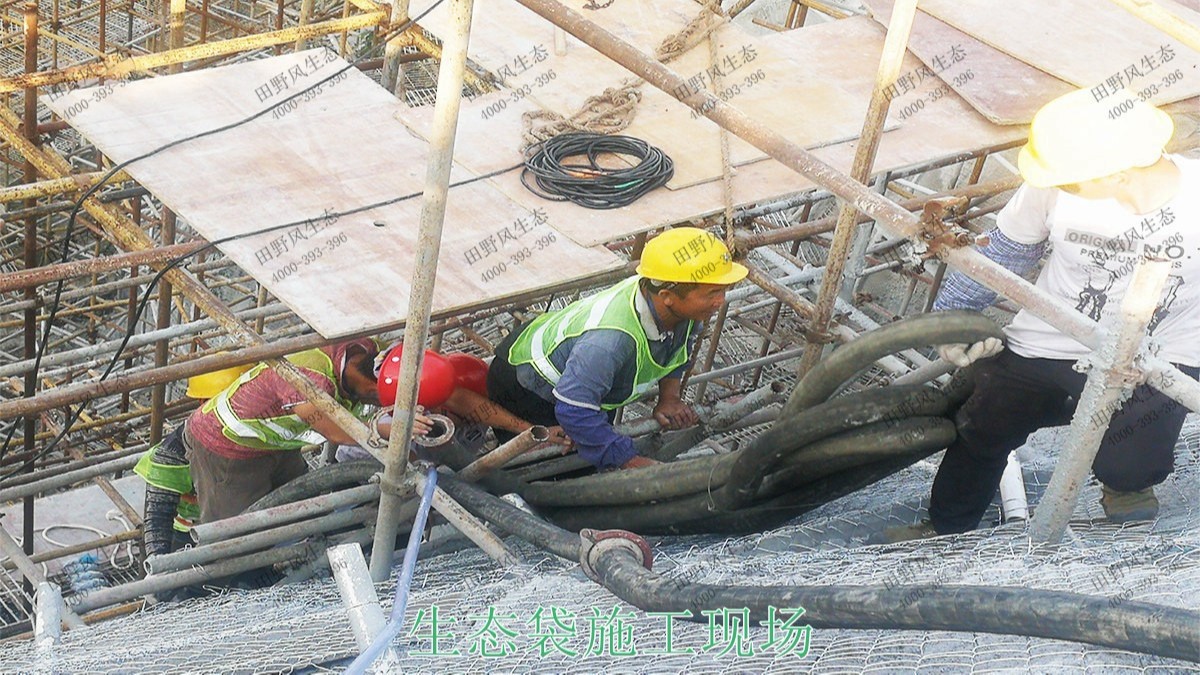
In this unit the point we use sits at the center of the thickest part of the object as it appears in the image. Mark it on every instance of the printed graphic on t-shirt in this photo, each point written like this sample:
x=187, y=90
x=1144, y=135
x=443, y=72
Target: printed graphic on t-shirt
x=1170, y=294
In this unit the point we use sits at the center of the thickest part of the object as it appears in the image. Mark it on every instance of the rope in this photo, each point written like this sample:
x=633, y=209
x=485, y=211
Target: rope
x=612, y=111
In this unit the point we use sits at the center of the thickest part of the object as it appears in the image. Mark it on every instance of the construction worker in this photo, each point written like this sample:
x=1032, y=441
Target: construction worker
x=241, y=443
x=577, y=365
x=171, y=508
x=454, y=385
x=1099, y=187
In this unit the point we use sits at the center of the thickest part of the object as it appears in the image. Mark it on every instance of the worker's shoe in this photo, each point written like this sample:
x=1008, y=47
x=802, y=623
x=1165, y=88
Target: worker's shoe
x=1127, y=507
x=895, y=535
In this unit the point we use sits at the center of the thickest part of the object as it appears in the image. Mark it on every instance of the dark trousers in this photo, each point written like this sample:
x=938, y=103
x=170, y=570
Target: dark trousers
x=1013, y=397
x=226, y=487
x=504, y=389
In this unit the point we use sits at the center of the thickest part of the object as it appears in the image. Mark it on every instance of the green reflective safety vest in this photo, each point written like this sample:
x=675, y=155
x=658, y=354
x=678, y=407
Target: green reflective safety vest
x=613, y=309
x=285, y=432
x=175, y=478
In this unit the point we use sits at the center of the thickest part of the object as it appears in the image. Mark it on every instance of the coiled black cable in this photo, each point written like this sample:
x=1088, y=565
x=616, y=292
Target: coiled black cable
x=589, y=184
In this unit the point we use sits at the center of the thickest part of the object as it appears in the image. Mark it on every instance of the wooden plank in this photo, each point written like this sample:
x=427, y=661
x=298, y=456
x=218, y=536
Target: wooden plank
x=823, y=108
x=341, y=150
x=1003, y=89
x=947, y=126
x=1083, y=42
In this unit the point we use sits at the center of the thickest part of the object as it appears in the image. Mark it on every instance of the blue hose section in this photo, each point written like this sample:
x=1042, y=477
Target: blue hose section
x=392, y=629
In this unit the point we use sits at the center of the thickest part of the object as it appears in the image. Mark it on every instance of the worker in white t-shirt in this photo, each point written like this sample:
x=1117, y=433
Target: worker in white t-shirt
x=1099, y=189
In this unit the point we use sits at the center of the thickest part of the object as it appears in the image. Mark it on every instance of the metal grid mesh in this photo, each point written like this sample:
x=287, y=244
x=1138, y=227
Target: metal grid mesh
x=304, y=627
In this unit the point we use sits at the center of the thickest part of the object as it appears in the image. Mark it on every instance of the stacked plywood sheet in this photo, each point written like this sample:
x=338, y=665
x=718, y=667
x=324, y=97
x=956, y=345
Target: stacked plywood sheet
x=337, y=150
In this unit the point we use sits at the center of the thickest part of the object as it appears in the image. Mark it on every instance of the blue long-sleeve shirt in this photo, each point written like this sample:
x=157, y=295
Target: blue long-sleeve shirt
x=960, y=291
x=598, y=367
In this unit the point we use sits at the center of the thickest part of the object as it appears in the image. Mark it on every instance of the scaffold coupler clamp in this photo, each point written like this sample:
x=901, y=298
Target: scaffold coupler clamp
x=593, y=543
x=935, y=233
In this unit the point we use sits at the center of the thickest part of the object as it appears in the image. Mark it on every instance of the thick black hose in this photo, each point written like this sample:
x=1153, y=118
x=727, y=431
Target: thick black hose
x=526, y=526
x=700, y=514
x=849, y=359
x=701, y=474
x=1133, y=626
x=324, y=479
x=785, y=436
x=797, y=501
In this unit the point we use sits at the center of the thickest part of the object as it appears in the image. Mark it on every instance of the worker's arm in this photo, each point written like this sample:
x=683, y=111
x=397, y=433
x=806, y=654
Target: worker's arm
x=1017, y=243
x=481, y=410
x=325, y=426
x=588, y=376
x=671, y=411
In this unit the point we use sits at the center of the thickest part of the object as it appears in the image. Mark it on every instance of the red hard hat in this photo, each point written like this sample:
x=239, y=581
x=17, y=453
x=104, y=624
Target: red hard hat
x=470, y=372
x=436, y=378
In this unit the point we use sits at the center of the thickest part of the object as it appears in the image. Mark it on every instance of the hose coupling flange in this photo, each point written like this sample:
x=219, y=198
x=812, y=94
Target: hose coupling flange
x=593, y=543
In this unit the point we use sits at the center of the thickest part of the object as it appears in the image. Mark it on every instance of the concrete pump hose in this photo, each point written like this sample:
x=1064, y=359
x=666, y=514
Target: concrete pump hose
x=324, y=479
x=851, y=358
x=702, y=474
x=699, y=514
x=788, y=435
x=1134, y=626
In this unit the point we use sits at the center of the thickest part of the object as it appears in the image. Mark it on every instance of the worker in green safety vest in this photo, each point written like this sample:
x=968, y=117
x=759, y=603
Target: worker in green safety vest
x=171, y=507
x=243, y=442
x=575, y=366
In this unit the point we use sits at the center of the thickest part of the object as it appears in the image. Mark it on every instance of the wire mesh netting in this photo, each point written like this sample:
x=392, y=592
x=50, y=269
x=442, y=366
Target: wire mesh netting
x=544, y=616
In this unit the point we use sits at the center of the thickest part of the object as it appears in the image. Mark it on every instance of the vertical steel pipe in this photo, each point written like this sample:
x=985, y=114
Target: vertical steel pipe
x=29, y=424
x=1108, y=385
x=393, y=75
x=890, y=61
x=420, y=301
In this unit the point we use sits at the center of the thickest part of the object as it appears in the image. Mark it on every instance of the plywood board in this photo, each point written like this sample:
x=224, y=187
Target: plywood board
x=1084, y=42
x=945, y=127
x=1003, y=89
x=338, y=152
x=518, y=45
x=774, y=83
x=823, y=108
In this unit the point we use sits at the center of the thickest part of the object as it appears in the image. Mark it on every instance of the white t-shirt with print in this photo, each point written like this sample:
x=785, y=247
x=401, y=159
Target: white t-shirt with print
x=1096, y=244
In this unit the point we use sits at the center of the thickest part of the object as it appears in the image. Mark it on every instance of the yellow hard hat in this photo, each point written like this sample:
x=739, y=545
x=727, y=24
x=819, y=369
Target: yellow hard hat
x=1075, y=138
x=689, y=255
x=208, y=385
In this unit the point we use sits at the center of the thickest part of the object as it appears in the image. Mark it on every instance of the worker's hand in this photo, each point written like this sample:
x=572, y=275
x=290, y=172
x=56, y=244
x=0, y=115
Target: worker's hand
x=963, y=355
x=675, y=414
x=638, y=462
x=560, y=437
x=422, y=424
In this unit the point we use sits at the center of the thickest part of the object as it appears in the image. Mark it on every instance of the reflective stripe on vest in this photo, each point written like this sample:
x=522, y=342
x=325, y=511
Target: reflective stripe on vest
x=613, y=309
x=284, y=432
x=187, y=513
x=173, y=477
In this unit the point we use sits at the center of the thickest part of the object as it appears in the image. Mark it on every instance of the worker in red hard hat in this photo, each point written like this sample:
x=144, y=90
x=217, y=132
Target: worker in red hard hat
x=243, y=442
x=456, y=384
x=1101, y=189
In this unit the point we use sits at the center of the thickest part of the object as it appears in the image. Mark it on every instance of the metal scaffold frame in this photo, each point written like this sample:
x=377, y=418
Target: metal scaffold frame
x=209, y=314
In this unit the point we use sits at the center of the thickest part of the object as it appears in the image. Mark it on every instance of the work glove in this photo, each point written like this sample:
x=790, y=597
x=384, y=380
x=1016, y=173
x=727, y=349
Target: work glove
x=963, y=355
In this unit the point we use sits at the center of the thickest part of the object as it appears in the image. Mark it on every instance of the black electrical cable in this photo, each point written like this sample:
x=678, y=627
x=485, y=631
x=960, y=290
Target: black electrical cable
x=71, y=219
x=557, y=174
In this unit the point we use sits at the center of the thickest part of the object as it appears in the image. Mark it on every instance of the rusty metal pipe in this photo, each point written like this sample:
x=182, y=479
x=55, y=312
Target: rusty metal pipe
x=894, y=47
x=420, y=300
